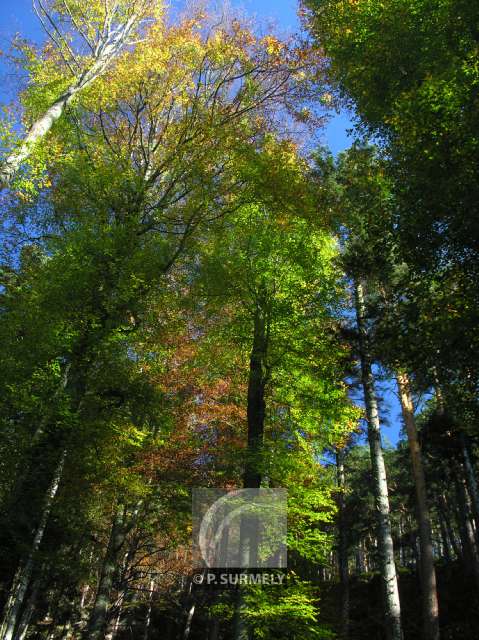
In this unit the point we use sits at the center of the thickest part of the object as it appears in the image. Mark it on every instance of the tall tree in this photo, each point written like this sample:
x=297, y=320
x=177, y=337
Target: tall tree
x=385, y=541
x=343, y=551
x=373, y=252
x=195, y=121
x=428, y=573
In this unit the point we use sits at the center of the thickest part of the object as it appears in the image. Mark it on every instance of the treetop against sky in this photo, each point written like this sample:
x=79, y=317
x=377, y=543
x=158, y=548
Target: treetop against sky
x=17, y=17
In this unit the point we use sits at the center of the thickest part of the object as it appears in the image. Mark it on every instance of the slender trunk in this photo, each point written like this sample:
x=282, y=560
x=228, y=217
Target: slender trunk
x=10, y=600
x=123, y=601
x=360, y=559
x=28, y=611
x=446, y=547
x=114, y=625
x=385, y=541
x=146, y=632
x=106, y=52
x=241, y=629
x=446, y=515
x=471, y=481
x=343, y=560
x=402, y=555
x=430, y=605
x=188, y=606
x=189, y=620
x=21, y=584
x=130, y=620
x=84, y=593
x=98, y=617
x=252, y=474
x=127, y=599
x=214, y=629
x=469, y=550
x=256, y=405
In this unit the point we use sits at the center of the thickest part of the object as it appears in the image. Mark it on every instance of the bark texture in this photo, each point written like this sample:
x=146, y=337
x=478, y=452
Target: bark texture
x=98, y=617
x=430, y=605
x=471, y=481
x=343, y=559
x=392, y=612
x=470, y=554
x=24, y=575
x=256, y=404
x=252, y=475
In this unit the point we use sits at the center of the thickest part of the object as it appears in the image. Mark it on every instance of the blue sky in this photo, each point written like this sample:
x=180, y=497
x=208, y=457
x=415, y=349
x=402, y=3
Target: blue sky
x=16, y=16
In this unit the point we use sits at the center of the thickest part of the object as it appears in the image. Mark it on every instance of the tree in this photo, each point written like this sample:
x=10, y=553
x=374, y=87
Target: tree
x=385, y=541
x=368, y=191
x=343, y=551
x=428, y=573
x=137, y=206
x=409, y=70
x=281, y=280
x=100, y=33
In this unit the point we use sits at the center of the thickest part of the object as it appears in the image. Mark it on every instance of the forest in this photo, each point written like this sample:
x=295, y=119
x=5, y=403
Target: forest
x=196, y=292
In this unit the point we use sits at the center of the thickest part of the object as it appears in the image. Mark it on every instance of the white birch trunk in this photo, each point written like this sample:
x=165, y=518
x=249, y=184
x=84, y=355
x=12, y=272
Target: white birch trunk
x=189, y=620
x=28, y=612
x=343, y=560
x=104, y=54
x=385, y=542
x=20, y=586
x=146, y=633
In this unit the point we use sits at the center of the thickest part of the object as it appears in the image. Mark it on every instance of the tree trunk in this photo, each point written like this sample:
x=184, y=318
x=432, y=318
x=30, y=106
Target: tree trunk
x=188, y=609
x=469, y=550
x=189, y=620
x=446, y=546
x=241, y=630
x=471, y=481
x=256, y=411
x=385, y=542
x=360, y=559
x=214, y=630
x=446, y=516
x=430, y=606
x=28, y=611
x=23, y=577
x=146, y=632
x=105, y=53
x=98, y=617
x=256, y=404
x=402, y=553
x=343, y=560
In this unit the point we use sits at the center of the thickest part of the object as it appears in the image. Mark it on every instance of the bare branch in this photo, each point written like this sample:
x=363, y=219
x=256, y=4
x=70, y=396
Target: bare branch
x=77, y=26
